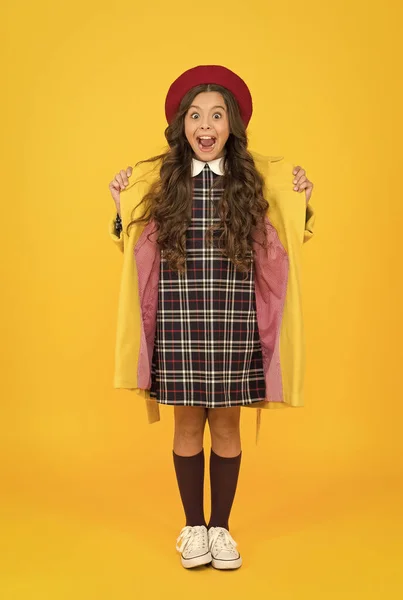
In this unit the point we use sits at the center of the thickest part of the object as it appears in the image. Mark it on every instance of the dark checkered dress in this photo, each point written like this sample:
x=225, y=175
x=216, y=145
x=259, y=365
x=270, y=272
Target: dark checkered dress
x=207, y=349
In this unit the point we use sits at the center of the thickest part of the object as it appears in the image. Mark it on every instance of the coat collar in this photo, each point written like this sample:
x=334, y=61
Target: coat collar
x=215, y=165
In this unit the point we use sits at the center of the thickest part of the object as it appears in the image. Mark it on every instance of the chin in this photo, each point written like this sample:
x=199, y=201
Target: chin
x=206, y=156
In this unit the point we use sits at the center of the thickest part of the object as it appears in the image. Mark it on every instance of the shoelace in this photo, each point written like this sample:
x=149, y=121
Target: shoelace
x=191, y=535
x=222, y=539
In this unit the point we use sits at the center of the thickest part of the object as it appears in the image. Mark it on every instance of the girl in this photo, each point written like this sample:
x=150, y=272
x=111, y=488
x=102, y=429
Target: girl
x=209, y=290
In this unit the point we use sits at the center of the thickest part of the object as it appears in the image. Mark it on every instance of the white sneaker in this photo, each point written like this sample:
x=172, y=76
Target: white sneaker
x=194, y=546
x=223, y=549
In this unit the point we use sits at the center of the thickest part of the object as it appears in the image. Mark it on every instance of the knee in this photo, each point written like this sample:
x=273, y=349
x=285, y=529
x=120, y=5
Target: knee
x=225, y=438
x=188, y=431
x=189, y=428
x=224, y=432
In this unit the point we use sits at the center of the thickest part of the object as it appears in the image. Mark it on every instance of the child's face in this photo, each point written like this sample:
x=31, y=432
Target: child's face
x=207, y=118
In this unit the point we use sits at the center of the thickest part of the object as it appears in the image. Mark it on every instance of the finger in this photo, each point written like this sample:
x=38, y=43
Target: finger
x=129, y=171
x=299, y=181
x=295, y=170
x=115, y=185
x=299, y=174
x=125, y=180
x=119, y=180
x=304, y=186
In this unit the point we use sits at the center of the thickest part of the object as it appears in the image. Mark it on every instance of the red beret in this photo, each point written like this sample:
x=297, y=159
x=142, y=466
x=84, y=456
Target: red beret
x=209, y=74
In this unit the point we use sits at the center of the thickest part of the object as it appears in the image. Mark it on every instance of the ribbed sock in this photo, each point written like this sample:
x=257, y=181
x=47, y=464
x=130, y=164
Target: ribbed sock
x=190, y=477
x=224, y=473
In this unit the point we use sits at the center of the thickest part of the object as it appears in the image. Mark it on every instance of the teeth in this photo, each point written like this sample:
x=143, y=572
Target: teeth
x=206, y=137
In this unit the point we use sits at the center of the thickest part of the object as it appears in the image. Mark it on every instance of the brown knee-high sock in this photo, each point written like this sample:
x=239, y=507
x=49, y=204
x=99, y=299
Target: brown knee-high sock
x=190, y=477
x=223, y=479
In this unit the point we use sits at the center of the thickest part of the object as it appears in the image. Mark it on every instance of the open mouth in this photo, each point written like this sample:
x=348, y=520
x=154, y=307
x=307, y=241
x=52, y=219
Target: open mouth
x=206, y=143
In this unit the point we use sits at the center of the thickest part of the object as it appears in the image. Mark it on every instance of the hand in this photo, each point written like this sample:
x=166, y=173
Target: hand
x=118, y=184
x=302, y=183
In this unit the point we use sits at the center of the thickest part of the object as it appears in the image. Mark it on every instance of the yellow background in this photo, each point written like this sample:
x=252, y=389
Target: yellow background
x=89, y=499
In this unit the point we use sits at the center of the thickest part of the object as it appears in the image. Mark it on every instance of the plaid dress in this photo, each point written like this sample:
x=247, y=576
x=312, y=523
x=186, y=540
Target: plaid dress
x=207, y=349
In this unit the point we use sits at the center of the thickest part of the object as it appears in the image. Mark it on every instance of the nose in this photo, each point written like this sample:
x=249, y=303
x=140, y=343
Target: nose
x=205, y=125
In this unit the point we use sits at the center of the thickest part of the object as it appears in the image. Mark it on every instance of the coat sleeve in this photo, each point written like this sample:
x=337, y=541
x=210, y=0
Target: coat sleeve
x=288, y=208
x=309, y=222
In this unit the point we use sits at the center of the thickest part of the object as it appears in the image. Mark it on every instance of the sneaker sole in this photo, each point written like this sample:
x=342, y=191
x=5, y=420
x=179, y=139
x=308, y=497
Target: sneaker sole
x=227, y=564
x=196, y=561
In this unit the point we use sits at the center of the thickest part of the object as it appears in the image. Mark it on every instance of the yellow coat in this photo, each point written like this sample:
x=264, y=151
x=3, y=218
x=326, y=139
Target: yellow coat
x=290, y=223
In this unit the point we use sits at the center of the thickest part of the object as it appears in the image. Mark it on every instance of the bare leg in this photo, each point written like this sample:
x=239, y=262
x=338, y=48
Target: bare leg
x=190, y=422
x=225, y=430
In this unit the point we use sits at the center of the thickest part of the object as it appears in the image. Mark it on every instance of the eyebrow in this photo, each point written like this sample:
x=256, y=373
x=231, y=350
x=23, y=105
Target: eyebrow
x=218, y=106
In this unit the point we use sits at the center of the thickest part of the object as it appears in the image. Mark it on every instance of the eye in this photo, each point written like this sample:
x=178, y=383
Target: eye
x=217, y=115
x=197, y=114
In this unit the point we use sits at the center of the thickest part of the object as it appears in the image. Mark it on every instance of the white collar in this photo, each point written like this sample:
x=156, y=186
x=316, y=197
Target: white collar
x=215, y=165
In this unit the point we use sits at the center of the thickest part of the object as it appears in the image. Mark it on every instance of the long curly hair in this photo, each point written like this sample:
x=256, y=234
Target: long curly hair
x=241, y=207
